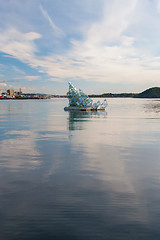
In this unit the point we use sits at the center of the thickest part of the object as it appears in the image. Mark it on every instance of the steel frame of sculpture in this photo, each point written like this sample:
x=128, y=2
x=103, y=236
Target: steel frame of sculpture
x=79, y=99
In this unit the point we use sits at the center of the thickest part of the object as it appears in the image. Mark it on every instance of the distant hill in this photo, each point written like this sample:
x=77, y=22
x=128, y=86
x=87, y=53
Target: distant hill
x=149, y=93
x=153, y=92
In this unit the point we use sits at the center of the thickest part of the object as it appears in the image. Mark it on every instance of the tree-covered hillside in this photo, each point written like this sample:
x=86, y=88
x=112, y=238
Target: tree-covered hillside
x=149, y=93
x=153, y=92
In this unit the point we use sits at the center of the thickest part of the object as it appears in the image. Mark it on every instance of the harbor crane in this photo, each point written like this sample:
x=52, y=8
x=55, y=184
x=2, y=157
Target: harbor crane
x=3, y=81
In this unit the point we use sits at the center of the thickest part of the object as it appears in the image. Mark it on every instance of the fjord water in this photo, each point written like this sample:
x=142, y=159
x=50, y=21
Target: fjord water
x=79, y=175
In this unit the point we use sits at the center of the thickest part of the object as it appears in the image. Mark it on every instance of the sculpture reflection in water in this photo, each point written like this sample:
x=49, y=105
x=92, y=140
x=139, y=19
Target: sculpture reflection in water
x=77, y=120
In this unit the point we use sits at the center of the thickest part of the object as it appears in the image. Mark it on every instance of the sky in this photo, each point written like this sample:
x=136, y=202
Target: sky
x=98, y=45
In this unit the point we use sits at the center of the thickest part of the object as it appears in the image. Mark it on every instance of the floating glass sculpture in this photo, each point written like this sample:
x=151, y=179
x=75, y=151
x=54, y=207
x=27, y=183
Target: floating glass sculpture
x=78, y=100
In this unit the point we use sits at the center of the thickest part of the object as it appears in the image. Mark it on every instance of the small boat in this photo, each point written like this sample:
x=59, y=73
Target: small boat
x=79, y=101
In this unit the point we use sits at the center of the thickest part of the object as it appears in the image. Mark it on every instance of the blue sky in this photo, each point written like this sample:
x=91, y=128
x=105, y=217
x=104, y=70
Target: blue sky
x=98, y=45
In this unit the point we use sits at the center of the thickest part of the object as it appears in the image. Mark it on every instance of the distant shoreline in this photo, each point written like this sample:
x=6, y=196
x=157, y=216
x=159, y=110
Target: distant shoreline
x=153, y=92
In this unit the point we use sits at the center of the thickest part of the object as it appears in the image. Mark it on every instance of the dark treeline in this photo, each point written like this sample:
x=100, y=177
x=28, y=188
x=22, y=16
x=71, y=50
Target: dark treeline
x=110, y=95
x=149, y=93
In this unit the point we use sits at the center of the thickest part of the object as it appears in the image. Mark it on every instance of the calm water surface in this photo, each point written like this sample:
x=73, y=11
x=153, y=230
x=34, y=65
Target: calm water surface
x=79, y=176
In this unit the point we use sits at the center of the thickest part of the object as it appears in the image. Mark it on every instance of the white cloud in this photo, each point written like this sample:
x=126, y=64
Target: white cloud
x=55, y=80
x=106, y=53
x=17, y=70
x=17, y=44
x=28, y=89
x=113, y=23
x=55, y=29
x=3, y=84
x=30, y=78
x=158, y=5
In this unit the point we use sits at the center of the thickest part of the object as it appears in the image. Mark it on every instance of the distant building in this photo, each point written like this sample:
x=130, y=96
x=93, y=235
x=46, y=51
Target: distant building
x=10, y=92
x=18, y=94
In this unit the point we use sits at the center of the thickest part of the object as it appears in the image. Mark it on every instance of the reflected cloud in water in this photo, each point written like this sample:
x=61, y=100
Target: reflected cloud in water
x=79, y=175
x=111, y=147
x=18, y=150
